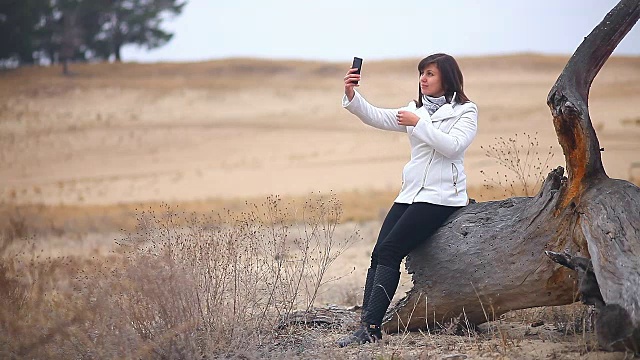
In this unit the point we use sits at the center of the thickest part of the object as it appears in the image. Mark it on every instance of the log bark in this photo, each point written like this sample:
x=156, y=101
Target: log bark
x=489, y=257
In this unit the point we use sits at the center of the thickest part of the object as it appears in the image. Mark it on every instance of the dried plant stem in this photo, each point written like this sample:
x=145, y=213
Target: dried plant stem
x=522, y=158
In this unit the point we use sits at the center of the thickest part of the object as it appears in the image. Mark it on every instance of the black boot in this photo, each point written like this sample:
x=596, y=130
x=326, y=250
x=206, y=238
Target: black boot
x=385, y=284
x=363, y=335
x=368, y=286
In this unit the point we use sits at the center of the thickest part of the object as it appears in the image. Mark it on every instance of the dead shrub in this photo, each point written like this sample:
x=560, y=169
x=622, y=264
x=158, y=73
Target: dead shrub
x=522, y=158
x=181, y=286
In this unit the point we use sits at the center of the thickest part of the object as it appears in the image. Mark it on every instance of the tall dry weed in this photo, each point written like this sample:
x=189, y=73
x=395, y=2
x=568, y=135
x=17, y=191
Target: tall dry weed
x=521, y=156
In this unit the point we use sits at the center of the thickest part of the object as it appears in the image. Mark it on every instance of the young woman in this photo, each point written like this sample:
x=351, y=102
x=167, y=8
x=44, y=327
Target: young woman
x=440, y=125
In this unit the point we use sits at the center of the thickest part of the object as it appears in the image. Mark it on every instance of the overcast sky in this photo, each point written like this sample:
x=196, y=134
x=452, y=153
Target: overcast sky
x=337, y=30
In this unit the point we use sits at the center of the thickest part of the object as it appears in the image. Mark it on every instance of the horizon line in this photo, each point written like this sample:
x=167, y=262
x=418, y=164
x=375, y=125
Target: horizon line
x=399, y=58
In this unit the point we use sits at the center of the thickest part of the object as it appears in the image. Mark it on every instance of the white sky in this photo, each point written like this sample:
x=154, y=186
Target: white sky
x=337, y=30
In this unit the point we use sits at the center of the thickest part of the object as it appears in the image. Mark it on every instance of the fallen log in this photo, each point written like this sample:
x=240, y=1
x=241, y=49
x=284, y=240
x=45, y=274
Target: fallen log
x=489, y=257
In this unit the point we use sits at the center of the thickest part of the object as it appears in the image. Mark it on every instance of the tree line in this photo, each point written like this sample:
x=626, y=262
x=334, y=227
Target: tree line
x=59, y=31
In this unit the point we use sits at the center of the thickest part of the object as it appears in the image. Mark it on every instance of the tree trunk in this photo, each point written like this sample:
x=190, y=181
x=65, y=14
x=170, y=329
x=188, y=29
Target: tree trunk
x=116, y=51
x=71, y=37
x=489, y=257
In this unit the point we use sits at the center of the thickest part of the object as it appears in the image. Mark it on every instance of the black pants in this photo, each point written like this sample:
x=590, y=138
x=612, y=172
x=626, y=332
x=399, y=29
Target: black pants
x=405, y=227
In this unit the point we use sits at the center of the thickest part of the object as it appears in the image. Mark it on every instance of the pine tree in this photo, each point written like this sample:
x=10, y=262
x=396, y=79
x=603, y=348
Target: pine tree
x=20, y=22
x=79, y=30
x=134, y=22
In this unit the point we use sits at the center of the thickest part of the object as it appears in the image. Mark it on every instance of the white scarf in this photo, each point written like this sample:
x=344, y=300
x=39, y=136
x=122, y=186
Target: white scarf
x=433, y=103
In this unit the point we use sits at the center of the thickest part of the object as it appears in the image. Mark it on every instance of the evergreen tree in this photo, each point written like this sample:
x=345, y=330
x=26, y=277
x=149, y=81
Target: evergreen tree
x=134, y=22
x=20, y=26
x=63, y=33
x=64, y=30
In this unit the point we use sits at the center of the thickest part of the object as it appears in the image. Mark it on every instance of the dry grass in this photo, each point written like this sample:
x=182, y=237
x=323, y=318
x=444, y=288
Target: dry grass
x=186, y=286
x=26, y=220
x=212, y=287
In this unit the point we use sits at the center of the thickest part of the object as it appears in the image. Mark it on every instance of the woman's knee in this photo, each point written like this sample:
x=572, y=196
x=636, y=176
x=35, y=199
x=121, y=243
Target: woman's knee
x=389, y=256
x=390, y=262
x=374, y=257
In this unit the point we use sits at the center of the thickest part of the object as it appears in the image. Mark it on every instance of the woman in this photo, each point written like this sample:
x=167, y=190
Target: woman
x=440, y=125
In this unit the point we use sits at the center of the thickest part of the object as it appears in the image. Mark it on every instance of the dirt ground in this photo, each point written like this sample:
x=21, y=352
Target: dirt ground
x=80, y=155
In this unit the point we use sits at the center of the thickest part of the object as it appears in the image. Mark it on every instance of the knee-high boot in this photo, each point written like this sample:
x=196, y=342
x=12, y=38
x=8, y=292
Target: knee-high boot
x=385, y=284
x=368, y=286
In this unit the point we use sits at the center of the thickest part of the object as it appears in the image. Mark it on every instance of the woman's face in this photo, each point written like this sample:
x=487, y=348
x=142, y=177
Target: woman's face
x=430, y=82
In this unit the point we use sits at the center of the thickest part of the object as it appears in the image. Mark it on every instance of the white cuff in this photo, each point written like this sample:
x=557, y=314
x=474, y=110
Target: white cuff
x=345, y=99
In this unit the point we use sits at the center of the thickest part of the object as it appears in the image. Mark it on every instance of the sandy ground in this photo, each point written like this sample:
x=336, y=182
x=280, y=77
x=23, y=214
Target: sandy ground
x=246, y=128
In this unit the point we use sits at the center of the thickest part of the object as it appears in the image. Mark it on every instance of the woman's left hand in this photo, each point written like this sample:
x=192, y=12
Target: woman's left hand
x=407, y=118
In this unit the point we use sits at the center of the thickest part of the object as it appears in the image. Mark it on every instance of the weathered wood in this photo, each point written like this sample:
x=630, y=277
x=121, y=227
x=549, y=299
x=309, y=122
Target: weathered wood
x=328, y=317
x=613, y=324
x=568, y=98
x=607, y=210
x=610, y=221
x=489, y=257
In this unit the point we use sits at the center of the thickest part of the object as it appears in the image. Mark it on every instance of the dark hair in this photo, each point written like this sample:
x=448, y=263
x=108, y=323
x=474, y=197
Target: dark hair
x=450, y=75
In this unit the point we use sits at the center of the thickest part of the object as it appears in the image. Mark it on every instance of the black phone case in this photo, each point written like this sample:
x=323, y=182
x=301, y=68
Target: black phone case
x=357, y=63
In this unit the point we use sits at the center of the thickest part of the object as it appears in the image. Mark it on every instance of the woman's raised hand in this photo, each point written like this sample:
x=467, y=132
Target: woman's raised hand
x=350, y=82
x=407, y=118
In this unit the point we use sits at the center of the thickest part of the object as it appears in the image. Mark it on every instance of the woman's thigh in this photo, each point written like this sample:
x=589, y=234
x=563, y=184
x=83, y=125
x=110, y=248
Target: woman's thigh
x=418, y=222
x=394, y=214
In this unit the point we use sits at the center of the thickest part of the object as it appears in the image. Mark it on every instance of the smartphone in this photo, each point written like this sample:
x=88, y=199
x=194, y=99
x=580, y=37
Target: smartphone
x=357, y=63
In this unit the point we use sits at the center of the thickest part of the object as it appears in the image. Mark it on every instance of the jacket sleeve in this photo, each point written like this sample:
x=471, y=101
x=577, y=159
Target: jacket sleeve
x=457, y=140
x=384, y=119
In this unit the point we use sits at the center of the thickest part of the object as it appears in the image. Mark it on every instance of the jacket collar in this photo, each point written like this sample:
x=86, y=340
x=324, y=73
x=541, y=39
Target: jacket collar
x=445, y=111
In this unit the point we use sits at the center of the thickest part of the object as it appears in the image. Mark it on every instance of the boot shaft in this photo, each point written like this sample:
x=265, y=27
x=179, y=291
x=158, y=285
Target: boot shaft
x=385, y=284
x=368, y=286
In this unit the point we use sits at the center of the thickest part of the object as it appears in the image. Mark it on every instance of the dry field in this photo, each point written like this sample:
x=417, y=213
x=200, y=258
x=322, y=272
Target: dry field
x=81, y=157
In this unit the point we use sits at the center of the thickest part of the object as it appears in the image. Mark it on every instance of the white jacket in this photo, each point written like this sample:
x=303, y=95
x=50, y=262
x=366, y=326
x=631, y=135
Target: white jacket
x=435, y=173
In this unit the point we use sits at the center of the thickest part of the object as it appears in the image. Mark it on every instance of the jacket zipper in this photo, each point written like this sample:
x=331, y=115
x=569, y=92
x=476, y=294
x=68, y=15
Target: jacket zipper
x=426, y=168
x=454, y=172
